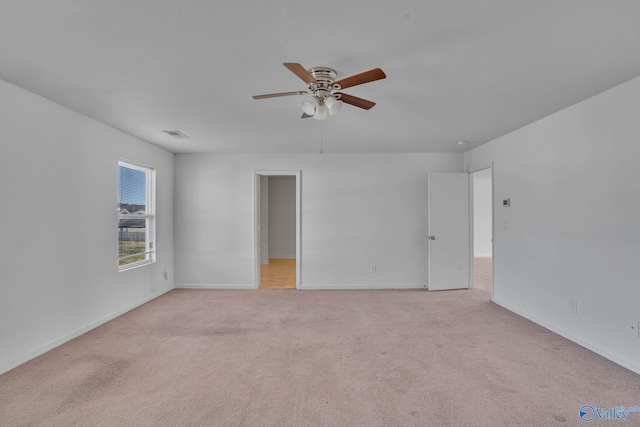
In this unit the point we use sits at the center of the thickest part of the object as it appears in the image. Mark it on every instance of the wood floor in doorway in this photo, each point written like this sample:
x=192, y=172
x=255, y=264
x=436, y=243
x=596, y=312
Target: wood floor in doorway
x=278, y=274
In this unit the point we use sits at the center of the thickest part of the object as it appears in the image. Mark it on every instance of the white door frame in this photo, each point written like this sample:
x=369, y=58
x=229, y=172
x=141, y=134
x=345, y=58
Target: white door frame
x=256, y=220
x=471, y=228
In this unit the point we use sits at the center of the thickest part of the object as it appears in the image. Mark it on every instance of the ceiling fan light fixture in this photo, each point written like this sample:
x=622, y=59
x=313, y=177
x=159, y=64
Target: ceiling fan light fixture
x=333, y=105
x=322, y=112
x=309, y=106
x=322, y=85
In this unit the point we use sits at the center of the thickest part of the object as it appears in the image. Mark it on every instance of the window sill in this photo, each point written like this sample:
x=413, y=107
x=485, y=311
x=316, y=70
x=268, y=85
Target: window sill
x=133, y=265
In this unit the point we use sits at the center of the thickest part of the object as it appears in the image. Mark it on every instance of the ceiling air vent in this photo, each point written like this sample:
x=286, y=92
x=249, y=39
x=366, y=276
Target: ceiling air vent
x=176, y=134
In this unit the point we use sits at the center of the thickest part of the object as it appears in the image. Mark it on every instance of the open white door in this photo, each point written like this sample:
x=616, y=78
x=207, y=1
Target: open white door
x=449, y=243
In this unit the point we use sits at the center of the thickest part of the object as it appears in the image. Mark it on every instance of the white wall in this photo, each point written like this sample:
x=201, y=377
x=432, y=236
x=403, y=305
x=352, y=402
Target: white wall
x=482, y=213
x=572, y=228
x=58, y=236
x=282, y=217
x=357, y=210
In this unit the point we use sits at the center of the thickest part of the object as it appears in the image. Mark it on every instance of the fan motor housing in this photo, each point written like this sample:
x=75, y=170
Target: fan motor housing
x=323, y=74
x=323, y=85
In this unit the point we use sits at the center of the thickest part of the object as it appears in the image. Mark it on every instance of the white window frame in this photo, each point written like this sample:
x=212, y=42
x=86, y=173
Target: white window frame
x=149, y=216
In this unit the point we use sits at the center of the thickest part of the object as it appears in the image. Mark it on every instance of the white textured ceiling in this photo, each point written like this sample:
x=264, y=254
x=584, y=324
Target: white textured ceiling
x=456, y=69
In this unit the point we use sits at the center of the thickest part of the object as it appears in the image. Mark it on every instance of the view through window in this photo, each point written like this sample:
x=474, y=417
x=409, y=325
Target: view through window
x=135, y=215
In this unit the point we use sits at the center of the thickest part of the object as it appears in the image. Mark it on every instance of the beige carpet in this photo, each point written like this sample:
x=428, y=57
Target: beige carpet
x=482, y=273
x=316, y=358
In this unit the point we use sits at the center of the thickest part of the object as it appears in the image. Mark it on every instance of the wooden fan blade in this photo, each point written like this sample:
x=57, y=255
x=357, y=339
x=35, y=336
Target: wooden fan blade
x=358, y=79
x=305, y=116
x=355, y=101
x=300, y=71
x=275, y=95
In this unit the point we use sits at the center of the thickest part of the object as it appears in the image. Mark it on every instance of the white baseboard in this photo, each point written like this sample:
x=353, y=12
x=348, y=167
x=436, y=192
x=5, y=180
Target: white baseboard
x=607, y=354
x=362, y=286
x=302, y=287
x=213, y=286
x=7, y=366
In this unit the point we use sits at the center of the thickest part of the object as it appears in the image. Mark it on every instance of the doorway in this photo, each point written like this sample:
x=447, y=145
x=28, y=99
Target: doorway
x=482, y=199
x=277, y=229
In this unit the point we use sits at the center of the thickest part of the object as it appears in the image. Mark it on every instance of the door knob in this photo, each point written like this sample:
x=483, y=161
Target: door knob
x=431, y=237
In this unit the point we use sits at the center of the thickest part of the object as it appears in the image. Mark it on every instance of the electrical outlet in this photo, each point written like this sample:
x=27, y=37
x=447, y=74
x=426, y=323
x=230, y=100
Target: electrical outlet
x=503, y=225
x=165, y=274
x=372, y=268
x=573, y=306
x=633, y=327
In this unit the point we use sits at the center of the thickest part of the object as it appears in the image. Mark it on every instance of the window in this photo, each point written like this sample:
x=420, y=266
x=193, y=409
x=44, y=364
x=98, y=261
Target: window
x=136, y=220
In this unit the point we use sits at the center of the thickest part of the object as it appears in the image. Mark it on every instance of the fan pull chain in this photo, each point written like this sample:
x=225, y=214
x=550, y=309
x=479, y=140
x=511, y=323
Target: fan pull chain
x=321, y=150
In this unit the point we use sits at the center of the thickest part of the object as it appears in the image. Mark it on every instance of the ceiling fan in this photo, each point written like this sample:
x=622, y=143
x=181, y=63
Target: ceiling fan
x=326, y=98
